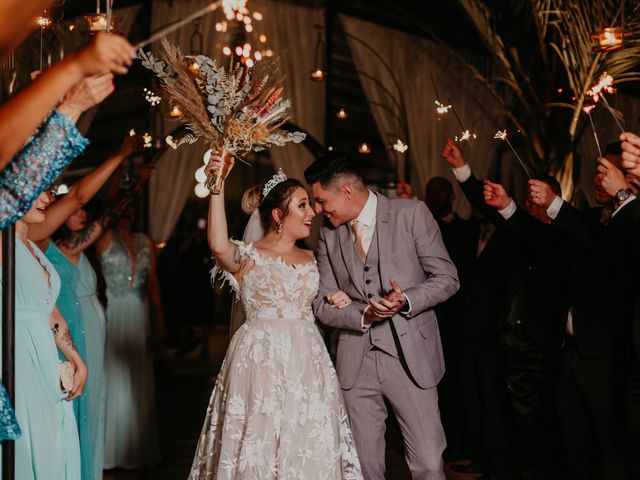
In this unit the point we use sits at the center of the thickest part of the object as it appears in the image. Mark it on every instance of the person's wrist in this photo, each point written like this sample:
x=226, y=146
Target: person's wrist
x=71, y=110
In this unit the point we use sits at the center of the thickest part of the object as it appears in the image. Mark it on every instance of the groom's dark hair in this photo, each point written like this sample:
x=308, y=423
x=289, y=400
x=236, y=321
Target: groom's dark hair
x=332, y=167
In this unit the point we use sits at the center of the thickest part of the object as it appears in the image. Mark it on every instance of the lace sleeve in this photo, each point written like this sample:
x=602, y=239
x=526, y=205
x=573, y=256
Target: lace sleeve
x=37, y=165
x=219, y=273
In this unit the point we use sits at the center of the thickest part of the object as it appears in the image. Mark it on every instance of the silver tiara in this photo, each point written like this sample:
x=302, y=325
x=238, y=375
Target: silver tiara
x=279, y=177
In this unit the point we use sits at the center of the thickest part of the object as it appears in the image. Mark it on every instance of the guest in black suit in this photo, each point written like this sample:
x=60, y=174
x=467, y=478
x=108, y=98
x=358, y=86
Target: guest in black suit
x=591, y=374
x=533, y=312
x=484, y=258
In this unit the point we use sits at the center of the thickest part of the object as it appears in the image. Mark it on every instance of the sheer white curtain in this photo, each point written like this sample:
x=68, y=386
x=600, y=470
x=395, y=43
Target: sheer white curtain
x=407, y=96
x=173, y=180
x=291, y=35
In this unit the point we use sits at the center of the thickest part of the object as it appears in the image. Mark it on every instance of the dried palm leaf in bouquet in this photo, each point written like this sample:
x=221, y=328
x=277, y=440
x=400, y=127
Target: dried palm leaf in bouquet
x=234, y=111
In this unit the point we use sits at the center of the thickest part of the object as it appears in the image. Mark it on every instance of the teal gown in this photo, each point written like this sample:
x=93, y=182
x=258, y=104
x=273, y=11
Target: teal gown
x=130, y=425
x=69, y=306
x=48, y=447
x=95, y=332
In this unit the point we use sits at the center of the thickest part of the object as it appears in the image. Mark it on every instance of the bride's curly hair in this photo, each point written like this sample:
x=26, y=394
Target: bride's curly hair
x=278, y=197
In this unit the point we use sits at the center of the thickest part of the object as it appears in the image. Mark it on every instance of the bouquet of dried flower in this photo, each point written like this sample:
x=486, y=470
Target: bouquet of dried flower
x=236, y=110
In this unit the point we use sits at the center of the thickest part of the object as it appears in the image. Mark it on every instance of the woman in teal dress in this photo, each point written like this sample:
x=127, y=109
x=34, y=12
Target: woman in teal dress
x=73, y=236
x=48, y=447
x=128, y=264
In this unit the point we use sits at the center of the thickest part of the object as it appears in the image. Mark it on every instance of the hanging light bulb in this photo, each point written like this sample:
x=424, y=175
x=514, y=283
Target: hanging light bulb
x=318, y=72
x=342, y=113
x=226, y=50
x=175, y=112
x=364, y=148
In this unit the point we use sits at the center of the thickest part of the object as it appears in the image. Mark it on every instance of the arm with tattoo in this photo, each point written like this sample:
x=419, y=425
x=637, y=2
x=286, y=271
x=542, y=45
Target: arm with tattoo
x=77, y=242
x=64, y=342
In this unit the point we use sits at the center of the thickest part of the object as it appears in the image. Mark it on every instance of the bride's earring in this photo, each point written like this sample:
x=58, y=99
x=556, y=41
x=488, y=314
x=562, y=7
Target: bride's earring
x=279, y=227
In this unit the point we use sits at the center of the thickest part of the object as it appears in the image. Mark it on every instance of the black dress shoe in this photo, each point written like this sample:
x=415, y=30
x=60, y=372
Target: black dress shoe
x=468, y=468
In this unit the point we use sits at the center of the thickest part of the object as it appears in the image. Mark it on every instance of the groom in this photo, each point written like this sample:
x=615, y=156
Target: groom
x=388, y=256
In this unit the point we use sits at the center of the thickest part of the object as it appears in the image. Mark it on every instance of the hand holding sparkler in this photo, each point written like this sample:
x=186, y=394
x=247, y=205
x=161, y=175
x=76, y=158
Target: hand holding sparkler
x=106, y=53
x=452, y=154
x=495, y=195
x=631, y=153
x=611, y=178
x=541, y=193
x=85, y=94
x=587, y=109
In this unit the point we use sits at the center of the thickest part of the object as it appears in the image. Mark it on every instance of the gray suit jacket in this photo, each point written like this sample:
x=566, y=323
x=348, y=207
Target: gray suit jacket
x=410, y=250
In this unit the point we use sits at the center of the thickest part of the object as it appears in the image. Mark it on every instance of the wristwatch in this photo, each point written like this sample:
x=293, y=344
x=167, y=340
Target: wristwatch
x=623, y=194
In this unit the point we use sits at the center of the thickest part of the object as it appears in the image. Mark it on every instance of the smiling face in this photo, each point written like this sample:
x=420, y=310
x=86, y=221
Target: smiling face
x=334, y=203
x=36, y=213
x=297, y=222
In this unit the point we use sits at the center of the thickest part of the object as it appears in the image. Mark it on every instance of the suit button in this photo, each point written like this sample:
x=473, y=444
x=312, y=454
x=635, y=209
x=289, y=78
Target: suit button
x=369, y=295
x=367, y=281
x=366, y=269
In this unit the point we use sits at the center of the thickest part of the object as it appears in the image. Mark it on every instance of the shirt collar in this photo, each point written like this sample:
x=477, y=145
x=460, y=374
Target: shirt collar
x=367, y=215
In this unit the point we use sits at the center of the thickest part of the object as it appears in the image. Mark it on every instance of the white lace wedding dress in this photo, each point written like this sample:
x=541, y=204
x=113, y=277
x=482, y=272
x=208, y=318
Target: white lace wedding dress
x=276, y=410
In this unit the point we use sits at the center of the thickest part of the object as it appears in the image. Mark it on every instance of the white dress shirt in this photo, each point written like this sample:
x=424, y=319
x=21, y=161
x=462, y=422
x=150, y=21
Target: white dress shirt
x=367, y=219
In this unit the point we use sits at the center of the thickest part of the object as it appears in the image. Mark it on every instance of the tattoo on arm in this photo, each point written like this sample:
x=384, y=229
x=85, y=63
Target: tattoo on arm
x=78, y=238
x=56, y=329
x=66, y=339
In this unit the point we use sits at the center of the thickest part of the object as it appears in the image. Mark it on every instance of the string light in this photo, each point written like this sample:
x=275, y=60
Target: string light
x=152, y=98
x=175, y=112
x=342, y=113
x=364, y=148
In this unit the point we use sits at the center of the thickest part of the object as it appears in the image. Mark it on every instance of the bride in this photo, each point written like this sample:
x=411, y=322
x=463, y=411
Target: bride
x=276, y=410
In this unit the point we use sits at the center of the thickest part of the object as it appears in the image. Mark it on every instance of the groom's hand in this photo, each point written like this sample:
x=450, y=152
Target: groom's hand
x=390, y=304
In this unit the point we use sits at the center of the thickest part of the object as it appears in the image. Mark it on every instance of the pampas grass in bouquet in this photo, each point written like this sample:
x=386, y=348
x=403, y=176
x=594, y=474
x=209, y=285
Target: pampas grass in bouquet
x=234, y=110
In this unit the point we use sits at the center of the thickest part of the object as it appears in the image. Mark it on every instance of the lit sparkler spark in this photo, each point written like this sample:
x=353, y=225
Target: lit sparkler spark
x=465, y=136
x=43, y=21
x=401, y=147
x=604, y=85
x=502, y=135
x=588, y=109
x=441, y=108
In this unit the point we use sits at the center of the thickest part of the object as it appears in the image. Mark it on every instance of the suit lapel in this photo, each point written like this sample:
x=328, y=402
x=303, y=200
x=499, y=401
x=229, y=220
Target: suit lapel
x=348, y=255
x=383, y=227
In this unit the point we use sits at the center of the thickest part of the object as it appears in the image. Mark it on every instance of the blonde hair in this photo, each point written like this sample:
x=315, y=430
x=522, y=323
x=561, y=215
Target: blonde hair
x=250, y=200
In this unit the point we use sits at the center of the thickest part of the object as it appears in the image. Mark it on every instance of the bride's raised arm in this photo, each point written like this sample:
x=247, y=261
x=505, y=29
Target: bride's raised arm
x=226, y=253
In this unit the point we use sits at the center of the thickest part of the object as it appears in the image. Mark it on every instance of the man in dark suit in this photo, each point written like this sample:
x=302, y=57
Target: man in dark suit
x=533, y=308
x=590, y=381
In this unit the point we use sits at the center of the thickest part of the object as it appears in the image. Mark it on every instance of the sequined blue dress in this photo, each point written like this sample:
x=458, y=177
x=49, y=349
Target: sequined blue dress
x=69, y=305
x=38, y=164
x=9, y=429
x=48, y=447
x=130, y=425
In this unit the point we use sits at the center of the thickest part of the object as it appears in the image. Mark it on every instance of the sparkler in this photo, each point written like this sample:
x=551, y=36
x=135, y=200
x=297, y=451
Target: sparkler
x=587, y=109
x=502, y=135
x=442, y=109
x=212, y=7
x=465, y=136
x=604, y=85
